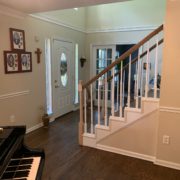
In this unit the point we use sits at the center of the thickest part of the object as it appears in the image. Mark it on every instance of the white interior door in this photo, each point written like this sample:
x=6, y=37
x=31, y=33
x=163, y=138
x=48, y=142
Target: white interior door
x=103, y=56
x=63, y=73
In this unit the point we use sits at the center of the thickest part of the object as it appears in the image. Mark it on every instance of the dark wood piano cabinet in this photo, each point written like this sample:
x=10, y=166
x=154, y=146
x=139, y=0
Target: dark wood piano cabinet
x=17, y=161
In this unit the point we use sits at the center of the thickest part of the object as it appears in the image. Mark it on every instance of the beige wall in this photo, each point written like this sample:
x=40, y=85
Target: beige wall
x=169, y=122
x=136, y=13
x=139, y=137
x=26, y=108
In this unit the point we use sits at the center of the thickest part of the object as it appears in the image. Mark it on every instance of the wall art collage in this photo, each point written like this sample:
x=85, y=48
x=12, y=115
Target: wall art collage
x=17, y=60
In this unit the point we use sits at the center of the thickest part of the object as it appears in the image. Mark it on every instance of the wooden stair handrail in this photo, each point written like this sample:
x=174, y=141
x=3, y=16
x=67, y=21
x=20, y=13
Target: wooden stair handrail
x=136, y=58
x=124, y=56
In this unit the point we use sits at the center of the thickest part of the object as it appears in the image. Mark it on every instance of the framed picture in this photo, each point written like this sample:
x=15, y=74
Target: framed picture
x=25, y=62
x=145, y=66
x=17, y=38
x=11, y=62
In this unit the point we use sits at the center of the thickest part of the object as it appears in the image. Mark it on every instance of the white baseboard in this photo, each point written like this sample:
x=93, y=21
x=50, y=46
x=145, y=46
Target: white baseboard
x=76, y=108
x=34, y=128
x=52, y=119
x=167, y=164
x=139, y=156
x=126, y=153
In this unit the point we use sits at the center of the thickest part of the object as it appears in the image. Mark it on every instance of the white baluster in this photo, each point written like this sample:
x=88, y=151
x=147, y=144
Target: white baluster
x=142, y=77
x=137, y=78
x=91, y=109
x=117, y=93
x=121, y=91
x=129, y=82
x=99, y=100
x=156, y=68
x=103, y=99
x=135, y=82
x=123, y=88
x=147, y=71
x=106, y=99
x=112, y=93
x=85, y=111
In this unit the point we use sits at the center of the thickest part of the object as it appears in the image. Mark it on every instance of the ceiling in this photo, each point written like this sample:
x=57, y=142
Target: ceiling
x=34, y=6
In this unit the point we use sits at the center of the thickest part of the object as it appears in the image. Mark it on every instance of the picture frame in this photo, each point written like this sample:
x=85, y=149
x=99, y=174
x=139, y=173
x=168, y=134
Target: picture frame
x=17, y=39
x=25, y=62
x=11, y=62
x=145, y=66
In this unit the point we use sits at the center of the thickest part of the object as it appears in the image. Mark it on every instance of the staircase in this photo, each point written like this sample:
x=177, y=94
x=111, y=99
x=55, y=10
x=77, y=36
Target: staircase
x=122, y=94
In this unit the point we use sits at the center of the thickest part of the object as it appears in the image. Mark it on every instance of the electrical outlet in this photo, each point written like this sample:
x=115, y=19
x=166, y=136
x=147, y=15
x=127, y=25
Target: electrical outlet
x=166, y=139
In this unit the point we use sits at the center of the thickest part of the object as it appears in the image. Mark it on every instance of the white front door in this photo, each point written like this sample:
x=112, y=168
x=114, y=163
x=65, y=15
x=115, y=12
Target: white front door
x=63, y=73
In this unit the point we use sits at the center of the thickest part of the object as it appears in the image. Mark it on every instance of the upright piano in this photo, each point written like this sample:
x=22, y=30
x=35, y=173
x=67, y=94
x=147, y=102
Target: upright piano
x=17, y=161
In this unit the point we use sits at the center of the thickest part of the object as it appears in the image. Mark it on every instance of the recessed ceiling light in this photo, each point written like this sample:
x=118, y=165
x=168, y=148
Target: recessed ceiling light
x=76, y=9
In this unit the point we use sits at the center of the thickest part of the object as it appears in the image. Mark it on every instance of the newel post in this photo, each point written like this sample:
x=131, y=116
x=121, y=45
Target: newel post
x=81, y=122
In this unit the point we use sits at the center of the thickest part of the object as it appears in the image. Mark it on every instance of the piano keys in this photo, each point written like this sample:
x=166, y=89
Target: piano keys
x=17, y=161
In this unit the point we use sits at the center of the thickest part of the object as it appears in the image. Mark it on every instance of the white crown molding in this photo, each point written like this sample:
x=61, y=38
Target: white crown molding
x=90, y=31
x=11, y=12
x=57, y=22
x=14, y=94
x=169, y=109
x=122, y=29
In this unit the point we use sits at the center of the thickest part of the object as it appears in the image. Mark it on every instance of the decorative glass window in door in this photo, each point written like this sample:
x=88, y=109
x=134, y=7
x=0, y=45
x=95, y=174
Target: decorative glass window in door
x=63, y=69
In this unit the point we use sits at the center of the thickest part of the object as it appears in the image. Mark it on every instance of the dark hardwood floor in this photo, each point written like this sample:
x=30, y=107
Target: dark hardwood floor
x=66, y=160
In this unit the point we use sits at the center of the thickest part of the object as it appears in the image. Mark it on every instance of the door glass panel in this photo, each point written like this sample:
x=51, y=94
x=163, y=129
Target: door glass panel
x=109, y=53
x=103, y=59
x=63, y=69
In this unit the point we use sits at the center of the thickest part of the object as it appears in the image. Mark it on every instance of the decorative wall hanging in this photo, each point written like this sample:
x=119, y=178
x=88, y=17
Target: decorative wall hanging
x=38, y=53
x=17, y=60
x=17, y=39
x=82, y=60
x=11, y=62
x=25, y=62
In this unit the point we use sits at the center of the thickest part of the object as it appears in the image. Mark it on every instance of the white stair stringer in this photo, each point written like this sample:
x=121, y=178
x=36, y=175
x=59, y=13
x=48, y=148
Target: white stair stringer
x=131, y=115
